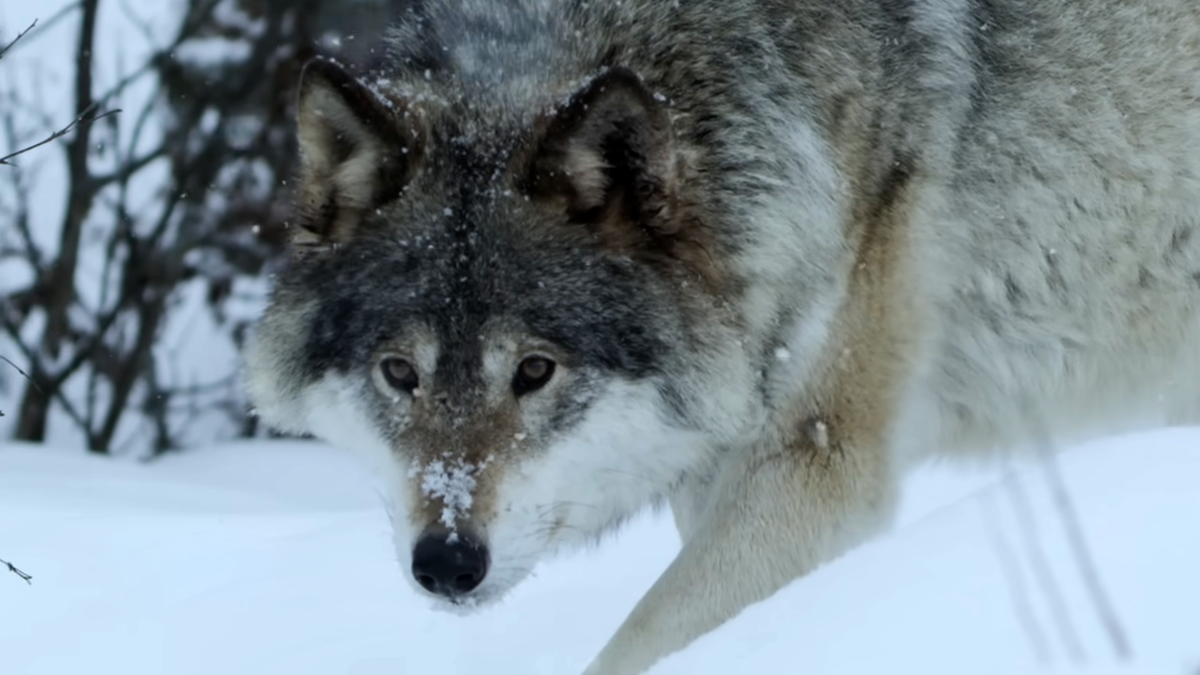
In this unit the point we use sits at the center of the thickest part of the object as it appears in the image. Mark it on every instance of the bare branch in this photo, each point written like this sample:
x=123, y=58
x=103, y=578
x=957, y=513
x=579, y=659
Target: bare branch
x=32, y=254
x=1043, y=571
x=45, y=26
x=58, y=395
x=1011, y=567
x=15, y=570
x=1106, y=613
x=87, y=350
x=60, y=284
x=17, y=39
x=128, y=168
x=86, y=117
x=23, y=373
x=140, y=254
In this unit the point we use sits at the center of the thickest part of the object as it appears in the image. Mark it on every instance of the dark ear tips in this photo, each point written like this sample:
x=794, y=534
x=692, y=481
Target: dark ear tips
x=619, y=80
x=356, y=150
x=325, y=76
x=608, y=152
x=319, y=71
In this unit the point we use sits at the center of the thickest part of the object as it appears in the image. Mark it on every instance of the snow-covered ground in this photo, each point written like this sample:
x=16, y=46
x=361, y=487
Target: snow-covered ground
x=275, y=557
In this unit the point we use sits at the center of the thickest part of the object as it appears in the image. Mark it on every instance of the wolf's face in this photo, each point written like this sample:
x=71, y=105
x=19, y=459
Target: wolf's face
x=517, y=316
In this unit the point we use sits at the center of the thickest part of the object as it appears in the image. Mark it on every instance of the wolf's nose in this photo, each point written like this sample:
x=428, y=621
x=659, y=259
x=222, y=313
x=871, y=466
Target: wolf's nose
x=449, y=564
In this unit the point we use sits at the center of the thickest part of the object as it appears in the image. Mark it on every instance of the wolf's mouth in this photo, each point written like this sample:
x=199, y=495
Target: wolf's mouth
x=462, y=605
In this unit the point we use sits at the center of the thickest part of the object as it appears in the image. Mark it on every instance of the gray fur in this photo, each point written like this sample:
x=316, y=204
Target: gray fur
x=802, y=244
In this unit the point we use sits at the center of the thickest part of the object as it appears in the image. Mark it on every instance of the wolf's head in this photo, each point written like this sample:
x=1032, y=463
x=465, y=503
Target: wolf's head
x=517, y=312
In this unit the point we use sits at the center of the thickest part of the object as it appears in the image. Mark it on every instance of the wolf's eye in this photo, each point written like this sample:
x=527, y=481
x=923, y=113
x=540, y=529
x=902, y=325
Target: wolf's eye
x=533, y=374
x=399, y=374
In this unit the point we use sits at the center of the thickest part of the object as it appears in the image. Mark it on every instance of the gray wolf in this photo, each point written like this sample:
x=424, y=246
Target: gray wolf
x=558, y=261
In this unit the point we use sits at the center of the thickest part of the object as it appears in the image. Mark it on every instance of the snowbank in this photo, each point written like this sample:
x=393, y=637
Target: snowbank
x=276, y=558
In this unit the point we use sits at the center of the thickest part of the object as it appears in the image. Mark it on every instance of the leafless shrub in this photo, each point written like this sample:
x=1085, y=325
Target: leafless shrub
x=173, y=213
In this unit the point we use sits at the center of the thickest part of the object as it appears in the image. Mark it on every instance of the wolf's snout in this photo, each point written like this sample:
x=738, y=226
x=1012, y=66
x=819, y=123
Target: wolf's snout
x=449, y=564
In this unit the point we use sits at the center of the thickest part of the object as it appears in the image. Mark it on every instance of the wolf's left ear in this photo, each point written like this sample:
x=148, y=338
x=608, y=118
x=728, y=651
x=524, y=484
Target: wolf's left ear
x=607, y=155
x=357, y=152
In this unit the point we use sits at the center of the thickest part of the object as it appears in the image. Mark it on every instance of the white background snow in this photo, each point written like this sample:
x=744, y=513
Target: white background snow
x=275, y=558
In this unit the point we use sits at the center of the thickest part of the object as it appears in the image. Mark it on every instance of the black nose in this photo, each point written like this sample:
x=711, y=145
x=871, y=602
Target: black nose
x=449, y=564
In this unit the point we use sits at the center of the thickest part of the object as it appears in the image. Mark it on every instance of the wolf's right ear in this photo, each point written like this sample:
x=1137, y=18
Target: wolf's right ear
x=607, y=157
x=357, y=152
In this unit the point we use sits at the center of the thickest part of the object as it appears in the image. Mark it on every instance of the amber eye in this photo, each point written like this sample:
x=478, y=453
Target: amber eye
x=533, y=374
x=399, y=374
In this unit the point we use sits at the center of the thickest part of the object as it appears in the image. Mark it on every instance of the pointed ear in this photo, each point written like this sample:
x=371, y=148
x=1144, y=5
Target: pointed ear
x=357, y=152
x=607, y=157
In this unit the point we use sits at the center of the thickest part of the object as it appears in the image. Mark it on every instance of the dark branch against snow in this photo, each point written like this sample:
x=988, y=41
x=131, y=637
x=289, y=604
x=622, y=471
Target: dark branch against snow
x=16, y=39
x=86, y=117
x=17, y=571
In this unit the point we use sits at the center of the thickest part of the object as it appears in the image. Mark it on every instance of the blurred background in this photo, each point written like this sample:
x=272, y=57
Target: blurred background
x=136, y=248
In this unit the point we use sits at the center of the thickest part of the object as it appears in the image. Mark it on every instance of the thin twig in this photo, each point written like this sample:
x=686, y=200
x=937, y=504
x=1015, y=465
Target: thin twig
x=1104, y=609
x=17, y=39
x=17, y=571
x=45, y=26
x=23, y=373
x=20, y=220
x=1063, y=503
x=1043, y=571
x=86, y=117
x=1011, y=566
x=57, y=394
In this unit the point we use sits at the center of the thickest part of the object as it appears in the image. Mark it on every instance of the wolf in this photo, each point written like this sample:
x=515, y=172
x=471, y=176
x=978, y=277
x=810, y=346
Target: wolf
x=558, y=261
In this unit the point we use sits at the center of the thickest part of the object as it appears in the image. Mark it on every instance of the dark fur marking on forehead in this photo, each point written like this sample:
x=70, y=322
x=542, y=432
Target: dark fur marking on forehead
x=600, y=320
x=415, y=43
x=462, y=274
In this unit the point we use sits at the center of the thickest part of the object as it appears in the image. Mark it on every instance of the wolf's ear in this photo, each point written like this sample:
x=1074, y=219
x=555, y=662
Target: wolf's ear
x=607, y=156
x=357, y=152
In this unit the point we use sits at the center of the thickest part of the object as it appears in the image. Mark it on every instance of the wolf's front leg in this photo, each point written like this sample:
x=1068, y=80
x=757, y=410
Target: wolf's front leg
x=776, y=512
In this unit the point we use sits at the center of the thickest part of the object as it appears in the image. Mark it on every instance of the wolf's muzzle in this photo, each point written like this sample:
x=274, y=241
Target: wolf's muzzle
x=449, y=564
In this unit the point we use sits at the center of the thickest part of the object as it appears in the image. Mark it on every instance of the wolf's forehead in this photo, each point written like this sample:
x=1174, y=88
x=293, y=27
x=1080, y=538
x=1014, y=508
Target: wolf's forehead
x=476, y=137
x=465, y=196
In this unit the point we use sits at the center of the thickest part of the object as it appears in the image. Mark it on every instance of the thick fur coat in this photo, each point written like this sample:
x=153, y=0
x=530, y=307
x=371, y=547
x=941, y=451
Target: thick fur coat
x=562, y=260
